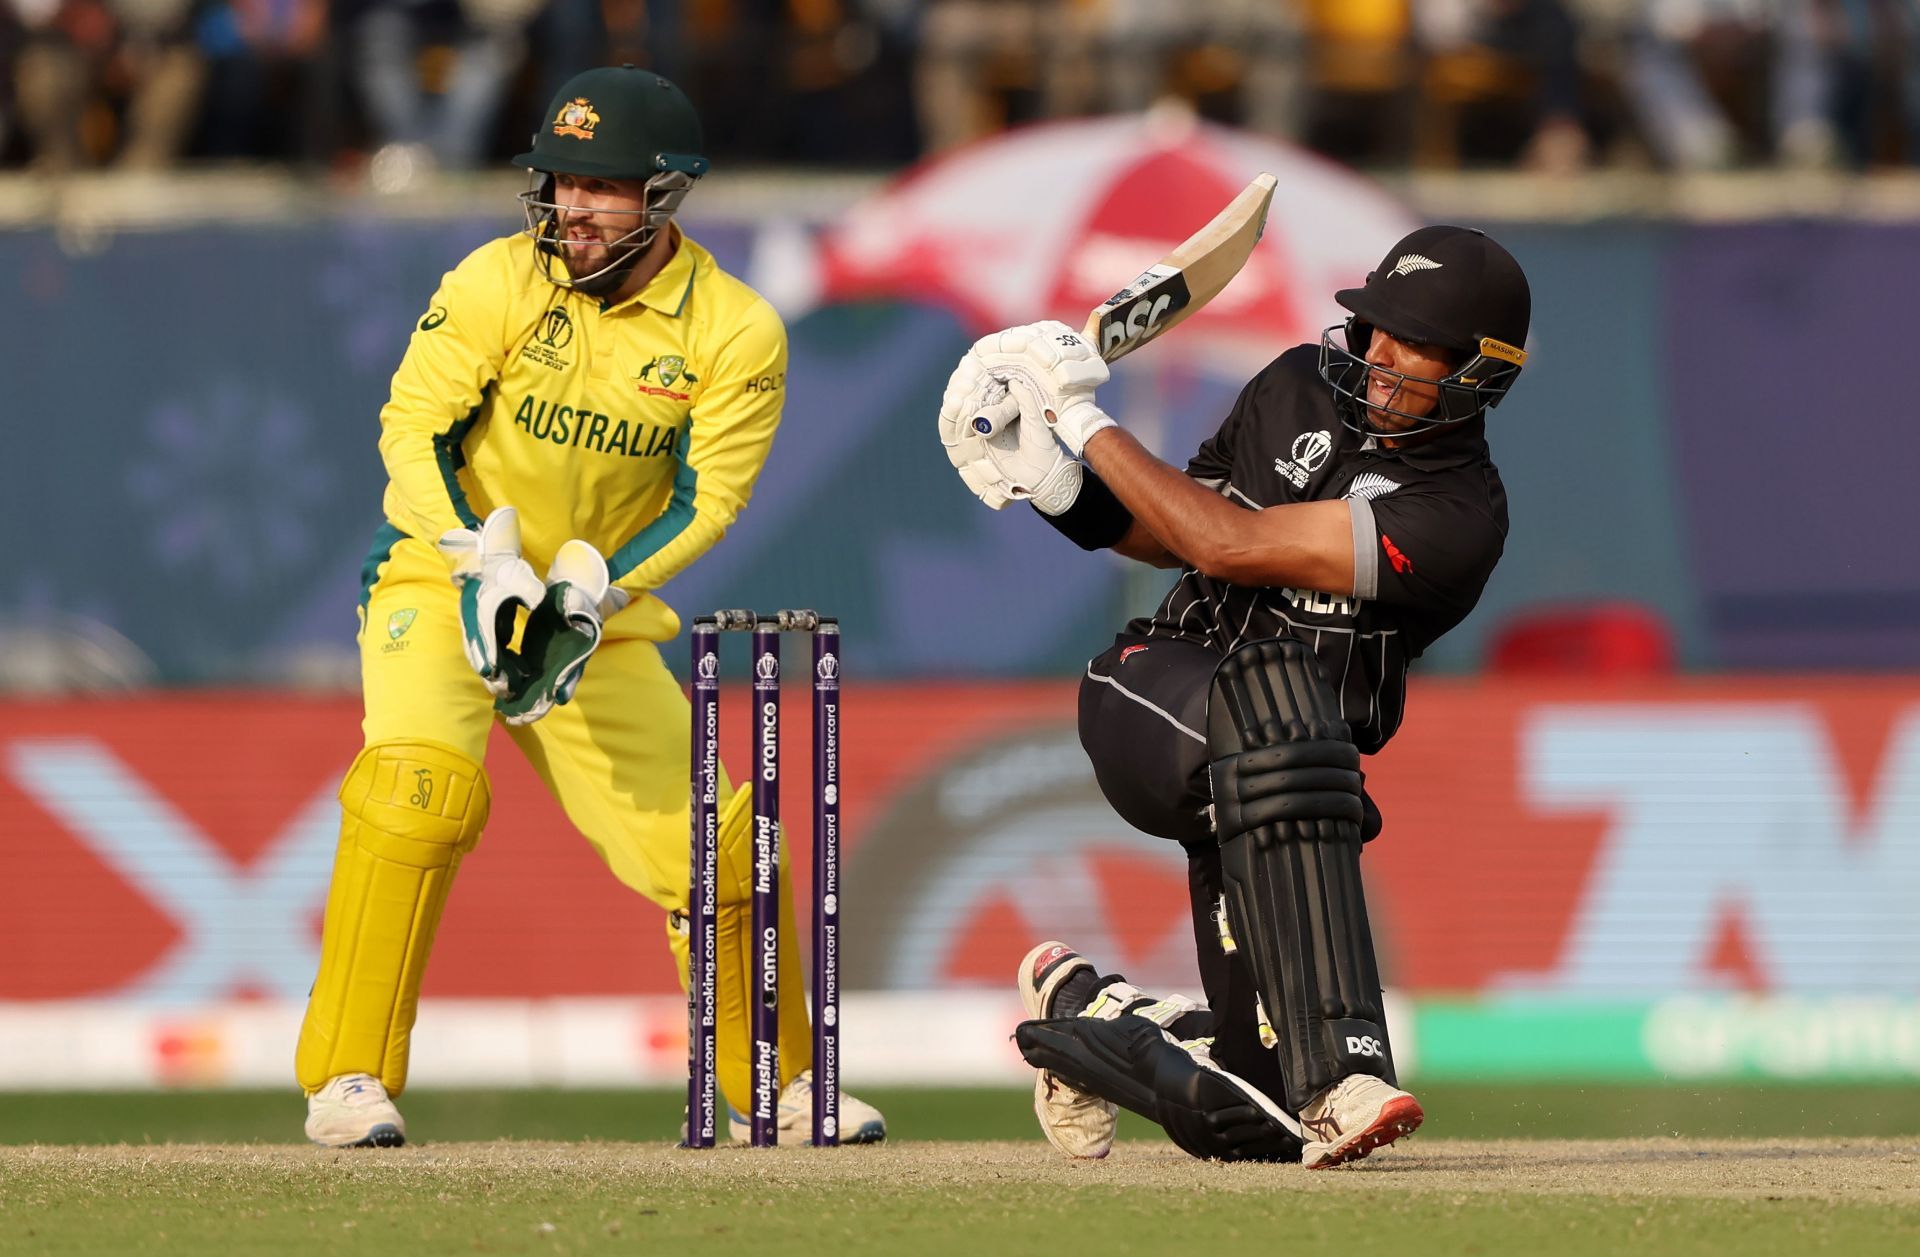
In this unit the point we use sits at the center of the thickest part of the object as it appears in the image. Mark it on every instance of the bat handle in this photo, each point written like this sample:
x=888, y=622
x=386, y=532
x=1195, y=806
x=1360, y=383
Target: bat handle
x=988, y=425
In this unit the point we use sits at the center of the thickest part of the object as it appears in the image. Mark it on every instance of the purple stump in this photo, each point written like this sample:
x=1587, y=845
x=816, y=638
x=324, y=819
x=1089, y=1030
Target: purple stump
x=765, y=981
x=703, y=888
x=826, y=883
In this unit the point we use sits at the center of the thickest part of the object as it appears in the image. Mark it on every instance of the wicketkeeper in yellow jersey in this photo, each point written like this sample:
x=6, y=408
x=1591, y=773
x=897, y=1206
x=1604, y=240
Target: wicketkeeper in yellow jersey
x=592, y=398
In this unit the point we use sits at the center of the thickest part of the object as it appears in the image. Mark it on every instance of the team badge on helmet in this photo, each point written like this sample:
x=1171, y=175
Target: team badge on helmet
x=577, y=118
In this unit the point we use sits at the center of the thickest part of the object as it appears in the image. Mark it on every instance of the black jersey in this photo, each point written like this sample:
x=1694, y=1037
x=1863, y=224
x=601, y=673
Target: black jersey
x=1429, y=525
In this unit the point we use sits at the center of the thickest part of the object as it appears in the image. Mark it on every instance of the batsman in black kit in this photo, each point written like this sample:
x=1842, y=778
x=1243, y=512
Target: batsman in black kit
x=1346, y=514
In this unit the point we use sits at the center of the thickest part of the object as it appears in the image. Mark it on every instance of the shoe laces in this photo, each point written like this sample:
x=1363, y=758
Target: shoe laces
x=359, y=1090
x=800, y=1090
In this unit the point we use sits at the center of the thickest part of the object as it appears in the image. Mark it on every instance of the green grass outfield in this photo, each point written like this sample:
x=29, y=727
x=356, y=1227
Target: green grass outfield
x=1454, y=1111
x=1560, y=1170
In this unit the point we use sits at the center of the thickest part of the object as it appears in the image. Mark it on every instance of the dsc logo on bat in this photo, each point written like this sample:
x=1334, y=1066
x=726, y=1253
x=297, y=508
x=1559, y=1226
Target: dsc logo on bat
x=1139, y=310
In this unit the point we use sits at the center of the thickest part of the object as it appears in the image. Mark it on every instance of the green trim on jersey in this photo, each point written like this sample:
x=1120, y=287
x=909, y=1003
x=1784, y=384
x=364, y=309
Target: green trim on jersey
x=449, y=451
x=670, y=523
x=693, y=273
x=385, y=538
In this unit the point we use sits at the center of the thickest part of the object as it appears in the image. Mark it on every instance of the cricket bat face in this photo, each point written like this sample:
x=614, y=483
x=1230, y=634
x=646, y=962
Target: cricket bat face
x=1182, y=282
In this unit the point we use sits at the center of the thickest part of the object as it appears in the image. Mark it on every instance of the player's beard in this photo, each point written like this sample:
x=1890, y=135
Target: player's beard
x=601, y=279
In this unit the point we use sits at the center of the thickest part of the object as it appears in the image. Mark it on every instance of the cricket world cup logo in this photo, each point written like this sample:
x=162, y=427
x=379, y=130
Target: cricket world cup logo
x=828, y=670
x=709, y=666
x=767, y=668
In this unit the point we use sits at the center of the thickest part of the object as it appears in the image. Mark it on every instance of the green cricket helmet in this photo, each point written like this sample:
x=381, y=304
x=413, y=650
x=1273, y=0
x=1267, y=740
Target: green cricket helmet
x=612, y=122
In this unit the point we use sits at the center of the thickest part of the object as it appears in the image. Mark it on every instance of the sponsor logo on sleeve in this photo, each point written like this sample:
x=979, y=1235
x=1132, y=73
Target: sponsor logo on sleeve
x=1401, y=563
x=435, y=317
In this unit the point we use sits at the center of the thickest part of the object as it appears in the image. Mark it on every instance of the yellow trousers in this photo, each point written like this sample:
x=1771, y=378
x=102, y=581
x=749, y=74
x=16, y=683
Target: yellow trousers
x=617, y=759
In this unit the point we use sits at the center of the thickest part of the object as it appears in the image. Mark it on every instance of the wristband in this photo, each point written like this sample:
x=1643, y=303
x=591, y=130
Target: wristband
x=1097, y=520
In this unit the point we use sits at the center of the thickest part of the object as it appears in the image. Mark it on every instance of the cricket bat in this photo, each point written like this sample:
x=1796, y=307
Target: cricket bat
x=1171, y=290
x=1181, y=283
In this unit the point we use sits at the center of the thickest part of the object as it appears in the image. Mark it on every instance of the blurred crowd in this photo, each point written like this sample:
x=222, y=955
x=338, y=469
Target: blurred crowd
x=1550, y=85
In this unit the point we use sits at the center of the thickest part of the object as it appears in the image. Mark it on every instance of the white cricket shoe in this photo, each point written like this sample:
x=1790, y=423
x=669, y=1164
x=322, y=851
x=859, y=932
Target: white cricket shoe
x=860, y=1122
x=1353, y=1117
x=1076, y=1122
x=353, y=1111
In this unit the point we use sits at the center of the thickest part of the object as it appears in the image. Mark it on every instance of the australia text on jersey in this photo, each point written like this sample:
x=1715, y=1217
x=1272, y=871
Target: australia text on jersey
x=590, y=429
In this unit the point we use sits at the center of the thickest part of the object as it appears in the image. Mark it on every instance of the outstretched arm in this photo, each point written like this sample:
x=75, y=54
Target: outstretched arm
x=1307, y=545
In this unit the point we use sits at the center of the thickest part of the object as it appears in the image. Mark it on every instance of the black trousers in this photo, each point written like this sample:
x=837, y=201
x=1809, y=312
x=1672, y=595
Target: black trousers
x=1143, y=722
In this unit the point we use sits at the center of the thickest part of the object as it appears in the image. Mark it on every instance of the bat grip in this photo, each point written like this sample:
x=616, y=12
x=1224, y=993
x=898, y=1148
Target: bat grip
x=988, y=425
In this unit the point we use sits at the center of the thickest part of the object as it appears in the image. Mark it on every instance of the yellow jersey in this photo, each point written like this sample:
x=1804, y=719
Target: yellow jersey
x=639, y=426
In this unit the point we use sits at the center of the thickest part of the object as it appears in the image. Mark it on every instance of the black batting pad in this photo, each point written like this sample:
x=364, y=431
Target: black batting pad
x=1288, y=811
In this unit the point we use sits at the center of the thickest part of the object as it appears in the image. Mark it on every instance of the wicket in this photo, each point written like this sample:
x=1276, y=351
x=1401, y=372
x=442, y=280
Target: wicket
x=702, y=978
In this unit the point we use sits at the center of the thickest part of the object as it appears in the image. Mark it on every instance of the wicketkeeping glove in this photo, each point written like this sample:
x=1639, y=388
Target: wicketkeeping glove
x=1000, y=458
x=494, y=582
x=561, y=634
x=1052, y=372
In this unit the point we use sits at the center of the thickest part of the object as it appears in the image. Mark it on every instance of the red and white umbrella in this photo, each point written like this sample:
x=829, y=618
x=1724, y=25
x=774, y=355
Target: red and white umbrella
x=1048, y=221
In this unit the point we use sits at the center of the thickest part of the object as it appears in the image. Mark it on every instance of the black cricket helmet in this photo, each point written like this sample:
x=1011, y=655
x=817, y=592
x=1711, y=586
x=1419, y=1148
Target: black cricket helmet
x=1450, y=287
x=613, y=122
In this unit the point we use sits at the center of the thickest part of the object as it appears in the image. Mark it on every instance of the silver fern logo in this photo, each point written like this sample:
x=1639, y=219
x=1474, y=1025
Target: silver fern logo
x=1412, y=262
x=1369, y=485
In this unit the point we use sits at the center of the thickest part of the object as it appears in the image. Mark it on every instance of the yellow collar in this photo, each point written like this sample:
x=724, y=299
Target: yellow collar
x=667, y=291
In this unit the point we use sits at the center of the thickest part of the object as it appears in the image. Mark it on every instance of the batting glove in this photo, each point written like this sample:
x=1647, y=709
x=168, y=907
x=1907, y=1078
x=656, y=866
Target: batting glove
x=1052, y=372
x=1000, y=458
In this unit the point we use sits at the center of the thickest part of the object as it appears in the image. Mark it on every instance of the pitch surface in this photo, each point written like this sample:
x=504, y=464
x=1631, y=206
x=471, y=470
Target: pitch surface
x=1577, y=1197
